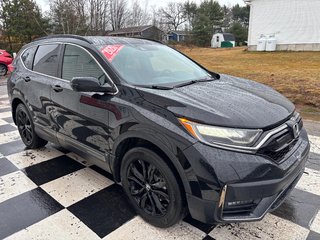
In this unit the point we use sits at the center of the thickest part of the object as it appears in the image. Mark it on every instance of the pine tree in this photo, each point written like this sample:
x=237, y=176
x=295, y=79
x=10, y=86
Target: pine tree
x=22, y=21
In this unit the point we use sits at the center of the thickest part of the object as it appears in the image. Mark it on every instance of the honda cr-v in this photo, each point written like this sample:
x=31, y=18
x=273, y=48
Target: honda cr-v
x=179, y=138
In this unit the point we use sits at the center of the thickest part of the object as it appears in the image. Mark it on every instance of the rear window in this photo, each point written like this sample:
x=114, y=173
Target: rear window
x=27, y=57
x=46, y=59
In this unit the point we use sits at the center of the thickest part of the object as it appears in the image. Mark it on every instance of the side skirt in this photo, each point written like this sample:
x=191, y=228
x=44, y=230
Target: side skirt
x=91, y=155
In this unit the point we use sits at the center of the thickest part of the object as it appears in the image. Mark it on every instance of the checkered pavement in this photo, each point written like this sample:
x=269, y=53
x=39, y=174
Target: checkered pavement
x=52, y=193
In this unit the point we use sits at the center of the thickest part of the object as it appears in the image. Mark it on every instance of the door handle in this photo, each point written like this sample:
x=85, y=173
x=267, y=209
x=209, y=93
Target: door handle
x=27, y=79
x=57, y=88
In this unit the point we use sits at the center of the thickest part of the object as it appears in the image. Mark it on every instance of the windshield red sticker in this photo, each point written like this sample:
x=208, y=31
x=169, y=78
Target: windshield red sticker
x=110, y=51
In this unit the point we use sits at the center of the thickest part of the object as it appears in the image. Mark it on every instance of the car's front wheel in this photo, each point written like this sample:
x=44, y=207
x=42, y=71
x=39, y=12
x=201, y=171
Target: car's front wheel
x=3, y=70
x=152, y=187
x=26, y=128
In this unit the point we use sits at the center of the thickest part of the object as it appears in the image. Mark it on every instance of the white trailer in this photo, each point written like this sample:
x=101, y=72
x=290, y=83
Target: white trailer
x=294, y=23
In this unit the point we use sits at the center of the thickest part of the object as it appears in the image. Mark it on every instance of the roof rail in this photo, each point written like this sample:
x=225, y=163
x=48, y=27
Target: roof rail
x=63, y=36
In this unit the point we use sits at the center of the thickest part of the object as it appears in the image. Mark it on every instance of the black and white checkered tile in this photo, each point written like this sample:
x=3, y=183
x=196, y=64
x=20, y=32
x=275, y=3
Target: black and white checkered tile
x=51, y=193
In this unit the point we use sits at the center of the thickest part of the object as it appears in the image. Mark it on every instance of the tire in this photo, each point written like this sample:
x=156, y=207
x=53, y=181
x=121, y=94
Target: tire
x=3, y=70
x=155, y=195
x=26, y=128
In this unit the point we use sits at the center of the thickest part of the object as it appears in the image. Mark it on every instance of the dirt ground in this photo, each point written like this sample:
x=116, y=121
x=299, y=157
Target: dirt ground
x=294, y=74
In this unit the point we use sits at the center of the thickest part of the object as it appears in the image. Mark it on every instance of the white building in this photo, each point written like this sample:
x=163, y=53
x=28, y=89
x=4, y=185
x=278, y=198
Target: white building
x=218, y=39
x=295, y=23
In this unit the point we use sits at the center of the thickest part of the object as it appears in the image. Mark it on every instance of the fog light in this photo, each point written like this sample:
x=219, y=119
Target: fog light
x=237, y=203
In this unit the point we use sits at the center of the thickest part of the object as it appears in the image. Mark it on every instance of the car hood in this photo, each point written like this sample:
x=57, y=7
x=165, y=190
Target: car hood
x=229, y=102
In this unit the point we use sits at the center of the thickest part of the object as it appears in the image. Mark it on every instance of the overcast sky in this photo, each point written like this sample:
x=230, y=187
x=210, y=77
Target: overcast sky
x=45, y=3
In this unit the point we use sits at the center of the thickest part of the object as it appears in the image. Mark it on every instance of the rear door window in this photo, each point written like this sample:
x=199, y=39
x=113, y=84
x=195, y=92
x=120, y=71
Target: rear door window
x=27, y=57
x=78, y=63
x=46, y=59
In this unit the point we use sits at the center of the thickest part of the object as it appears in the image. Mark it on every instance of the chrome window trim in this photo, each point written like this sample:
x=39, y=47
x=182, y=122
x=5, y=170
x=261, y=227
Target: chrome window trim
x=61, y=79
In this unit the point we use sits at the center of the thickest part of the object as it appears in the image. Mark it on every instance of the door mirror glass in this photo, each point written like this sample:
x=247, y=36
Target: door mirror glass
x=90, y=84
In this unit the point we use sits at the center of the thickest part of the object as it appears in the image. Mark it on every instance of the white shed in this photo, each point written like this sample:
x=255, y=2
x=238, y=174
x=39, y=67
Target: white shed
x=295, y=23
x=218, y=38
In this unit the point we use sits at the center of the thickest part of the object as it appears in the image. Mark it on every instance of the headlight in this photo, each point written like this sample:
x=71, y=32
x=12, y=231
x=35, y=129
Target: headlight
x=221, y=135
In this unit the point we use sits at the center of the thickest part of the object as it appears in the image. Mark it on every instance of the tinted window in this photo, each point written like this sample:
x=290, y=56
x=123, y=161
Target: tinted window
x=46, y=59
x=27, y=57
x=78, y=63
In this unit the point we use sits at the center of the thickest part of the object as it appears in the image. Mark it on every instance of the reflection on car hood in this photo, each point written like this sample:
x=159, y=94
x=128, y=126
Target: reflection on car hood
x=230, y=101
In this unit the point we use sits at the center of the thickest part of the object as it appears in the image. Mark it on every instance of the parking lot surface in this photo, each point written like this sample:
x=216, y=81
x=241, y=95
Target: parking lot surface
x=52, y=193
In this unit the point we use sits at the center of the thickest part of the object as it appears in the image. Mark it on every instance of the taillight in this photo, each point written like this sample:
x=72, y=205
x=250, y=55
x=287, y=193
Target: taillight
x=11, y=68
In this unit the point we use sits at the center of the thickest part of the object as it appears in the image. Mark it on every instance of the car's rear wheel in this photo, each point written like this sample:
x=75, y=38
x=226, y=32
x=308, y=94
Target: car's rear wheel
x=152, y=187
x=26, y=128
x=3, y=70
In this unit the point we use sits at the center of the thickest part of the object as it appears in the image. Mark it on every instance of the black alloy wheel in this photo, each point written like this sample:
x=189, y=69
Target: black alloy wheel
x=152, y=187
x=26, y=128
x=3, y=70
x=148, y=187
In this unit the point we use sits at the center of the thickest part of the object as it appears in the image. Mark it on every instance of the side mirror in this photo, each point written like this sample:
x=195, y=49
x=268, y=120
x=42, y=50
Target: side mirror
x=89, y=84
x=215, y=75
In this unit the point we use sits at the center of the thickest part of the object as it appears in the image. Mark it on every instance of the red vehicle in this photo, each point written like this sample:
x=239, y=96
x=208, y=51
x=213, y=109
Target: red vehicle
x=5, y=60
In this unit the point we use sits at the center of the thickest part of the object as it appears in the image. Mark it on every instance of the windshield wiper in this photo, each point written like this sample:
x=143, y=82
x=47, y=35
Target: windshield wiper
x=161, y=87
x=194, y=81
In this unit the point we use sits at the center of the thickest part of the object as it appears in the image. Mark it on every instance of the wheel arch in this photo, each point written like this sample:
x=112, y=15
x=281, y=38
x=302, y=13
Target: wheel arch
x=14, y=104
x=134, y=139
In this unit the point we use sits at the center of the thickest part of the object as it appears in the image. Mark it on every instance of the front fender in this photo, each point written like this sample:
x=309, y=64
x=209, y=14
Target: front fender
x=162, y=142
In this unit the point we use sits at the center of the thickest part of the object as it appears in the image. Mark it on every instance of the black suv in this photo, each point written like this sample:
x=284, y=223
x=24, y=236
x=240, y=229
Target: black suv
x=179, y=138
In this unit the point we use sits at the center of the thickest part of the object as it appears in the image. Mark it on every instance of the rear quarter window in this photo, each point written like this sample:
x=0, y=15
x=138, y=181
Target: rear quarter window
x=27, y=57
x=46, y=59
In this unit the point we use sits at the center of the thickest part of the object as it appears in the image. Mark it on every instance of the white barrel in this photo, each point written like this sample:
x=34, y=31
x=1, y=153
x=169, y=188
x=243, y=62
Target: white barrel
x=262, y=41
x=271, y=45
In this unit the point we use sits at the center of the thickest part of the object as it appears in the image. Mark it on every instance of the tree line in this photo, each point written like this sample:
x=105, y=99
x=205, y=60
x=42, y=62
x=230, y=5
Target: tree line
x=22, y=20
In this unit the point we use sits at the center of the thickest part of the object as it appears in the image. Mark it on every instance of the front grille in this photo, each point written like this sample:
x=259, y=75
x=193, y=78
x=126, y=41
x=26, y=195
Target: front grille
x=278, y=156
x=280, y=144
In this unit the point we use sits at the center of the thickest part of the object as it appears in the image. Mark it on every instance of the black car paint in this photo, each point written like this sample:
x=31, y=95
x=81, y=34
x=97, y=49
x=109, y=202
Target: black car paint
x=228, y=102
x=114, y=123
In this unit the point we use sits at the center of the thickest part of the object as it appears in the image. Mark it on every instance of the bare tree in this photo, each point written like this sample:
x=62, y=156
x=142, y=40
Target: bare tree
x=138, y=14
x=118, y=13
x=173, y=15
x=68, y=16
x=98, y=12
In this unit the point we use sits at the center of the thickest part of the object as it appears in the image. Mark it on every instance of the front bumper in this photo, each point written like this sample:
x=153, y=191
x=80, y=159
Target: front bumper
x=253, y=188
x=258, y=192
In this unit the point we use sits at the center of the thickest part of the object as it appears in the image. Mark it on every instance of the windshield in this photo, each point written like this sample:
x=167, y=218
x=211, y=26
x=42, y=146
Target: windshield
x=152, y=64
